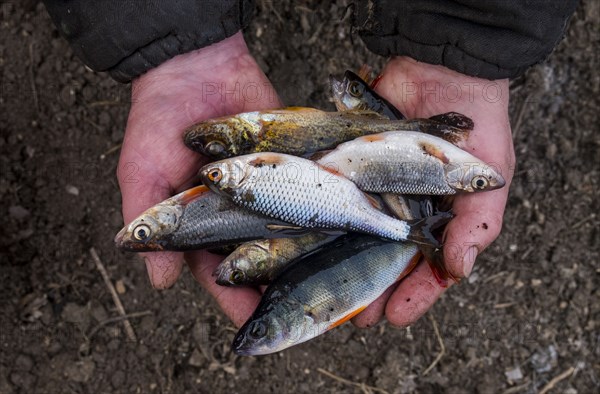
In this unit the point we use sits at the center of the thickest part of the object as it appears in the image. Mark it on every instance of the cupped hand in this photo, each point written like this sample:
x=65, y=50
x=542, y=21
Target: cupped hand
x=210, y=82
x=420, y=90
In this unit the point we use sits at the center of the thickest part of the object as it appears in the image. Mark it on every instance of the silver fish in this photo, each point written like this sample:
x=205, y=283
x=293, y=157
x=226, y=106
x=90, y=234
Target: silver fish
x=305, y=194
x=410, y=162
x=196, y=219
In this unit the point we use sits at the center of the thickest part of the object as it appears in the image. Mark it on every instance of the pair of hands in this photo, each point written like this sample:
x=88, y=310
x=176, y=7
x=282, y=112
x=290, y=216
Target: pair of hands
x=211, y=82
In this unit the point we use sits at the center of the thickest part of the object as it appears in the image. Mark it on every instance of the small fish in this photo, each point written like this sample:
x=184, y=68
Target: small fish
x=298, y=131
x=196, y=219
x=322, y=291
x=353, y=93
x=301, y=192
x=407, y=162
x=259, y=262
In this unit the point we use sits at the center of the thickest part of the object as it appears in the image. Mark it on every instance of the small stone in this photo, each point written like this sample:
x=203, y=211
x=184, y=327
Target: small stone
x=473, y=277
x=77, y=314
x=536, y=282
x=514, y=375
x=72, y=190
x=23, y=363
x=196, y=359
x=117, y=379
x=80, y=371
x=120, y=287
x=17, y=212
x=513, y=247
x=545, y=359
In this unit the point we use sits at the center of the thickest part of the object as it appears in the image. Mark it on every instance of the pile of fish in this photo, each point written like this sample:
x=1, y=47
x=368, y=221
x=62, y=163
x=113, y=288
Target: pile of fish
x=328, y=209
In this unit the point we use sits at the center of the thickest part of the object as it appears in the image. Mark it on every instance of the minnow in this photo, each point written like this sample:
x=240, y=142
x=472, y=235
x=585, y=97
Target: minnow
x=196, y=219
x=259, y=262
x=298, y=131
x=408, y=162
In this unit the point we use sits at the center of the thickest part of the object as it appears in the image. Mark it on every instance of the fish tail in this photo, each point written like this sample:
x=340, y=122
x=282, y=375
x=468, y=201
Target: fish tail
x=435, y=260
x=421, y=229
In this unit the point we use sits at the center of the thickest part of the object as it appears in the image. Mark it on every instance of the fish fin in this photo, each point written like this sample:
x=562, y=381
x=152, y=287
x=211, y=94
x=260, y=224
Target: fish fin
x=411, y=265
x=372, y=138
x=435, y=152
x=364, y=73
x=455, y=119
x=318, y=155
x=435, y=260
x=375, y=82
x=347, y=317
x=192, y=194
x=421, y=229
x=454, y=135
x=291, y=229
x=374, y=201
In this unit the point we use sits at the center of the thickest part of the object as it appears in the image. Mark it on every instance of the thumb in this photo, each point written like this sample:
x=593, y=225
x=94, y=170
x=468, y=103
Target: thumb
x=141, y=188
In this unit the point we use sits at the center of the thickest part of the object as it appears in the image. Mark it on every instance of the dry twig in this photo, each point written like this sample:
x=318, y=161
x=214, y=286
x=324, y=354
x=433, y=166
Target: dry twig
x=36, y=101
x=364, y=387
x=126, y=323
x=442, y=347
x=557, y=379
x=117, y=319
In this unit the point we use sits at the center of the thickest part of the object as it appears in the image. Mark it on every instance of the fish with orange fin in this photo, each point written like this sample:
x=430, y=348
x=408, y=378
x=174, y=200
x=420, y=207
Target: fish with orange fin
x=409, y=162
x=300, y=131
x=322, y=291
x=196, y=219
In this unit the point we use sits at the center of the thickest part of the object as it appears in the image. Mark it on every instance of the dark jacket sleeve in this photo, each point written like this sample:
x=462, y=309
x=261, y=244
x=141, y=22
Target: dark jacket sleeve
x=484, y=38
x=128, y=37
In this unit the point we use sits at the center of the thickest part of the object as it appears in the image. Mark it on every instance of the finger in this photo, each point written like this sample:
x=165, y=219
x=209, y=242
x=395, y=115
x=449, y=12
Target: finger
x=413, y=296
x=477, y=224
x=238, y=303
x=374, y=312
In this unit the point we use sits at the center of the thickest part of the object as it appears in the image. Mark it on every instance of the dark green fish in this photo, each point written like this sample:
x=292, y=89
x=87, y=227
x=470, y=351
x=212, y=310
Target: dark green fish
x=322, y=291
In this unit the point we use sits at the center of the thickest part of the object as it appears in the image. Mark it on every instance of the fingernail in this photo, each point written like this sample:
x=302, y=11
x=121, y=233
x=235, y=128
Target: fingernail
x=469, y=260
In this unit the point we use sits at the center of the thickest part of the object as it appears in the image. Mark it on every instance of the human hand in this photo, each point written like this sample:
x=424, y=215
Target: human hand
x=210, y=82
x=420, y=90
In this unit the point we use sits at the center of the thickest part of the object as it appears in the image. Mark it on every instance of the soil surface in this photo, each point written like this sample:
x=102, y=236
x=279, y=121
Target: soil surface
x=528, y=313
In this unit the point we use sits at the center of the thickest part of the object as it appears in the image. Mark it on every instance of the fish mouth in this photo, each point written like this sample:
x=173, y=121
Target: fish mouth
x=124, y=242
x=337, y=86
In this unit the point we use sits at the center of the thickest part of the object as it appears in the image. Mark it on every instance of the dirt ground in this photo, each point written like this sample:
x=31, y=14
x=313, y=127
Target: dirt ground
x=529, y=313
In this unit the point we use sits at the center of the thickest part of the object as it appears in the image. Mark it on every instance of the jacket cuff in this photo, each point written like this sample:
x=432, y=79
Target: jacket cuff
x=128, y=38
x=491, y=39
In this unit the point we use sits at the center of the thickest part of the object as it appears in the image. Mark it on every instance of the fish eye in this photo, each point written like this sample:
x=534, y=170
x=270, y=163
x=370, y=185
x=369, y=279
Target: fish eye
x=258, y=330
x=479, y=182
x=236, y=276
x=142, y=232
x=215, y=148
x=215, y=175
x=355, y=89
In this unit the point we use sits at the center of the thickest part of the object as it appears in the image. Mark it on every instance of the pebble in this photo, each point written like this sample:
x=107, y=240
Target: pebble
x=72, y=190
x=196, y=359
x=514, y=375
x=17, y=212
x=117, y=379
x=23, y=363
x=544, y=360
x=80, y=371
